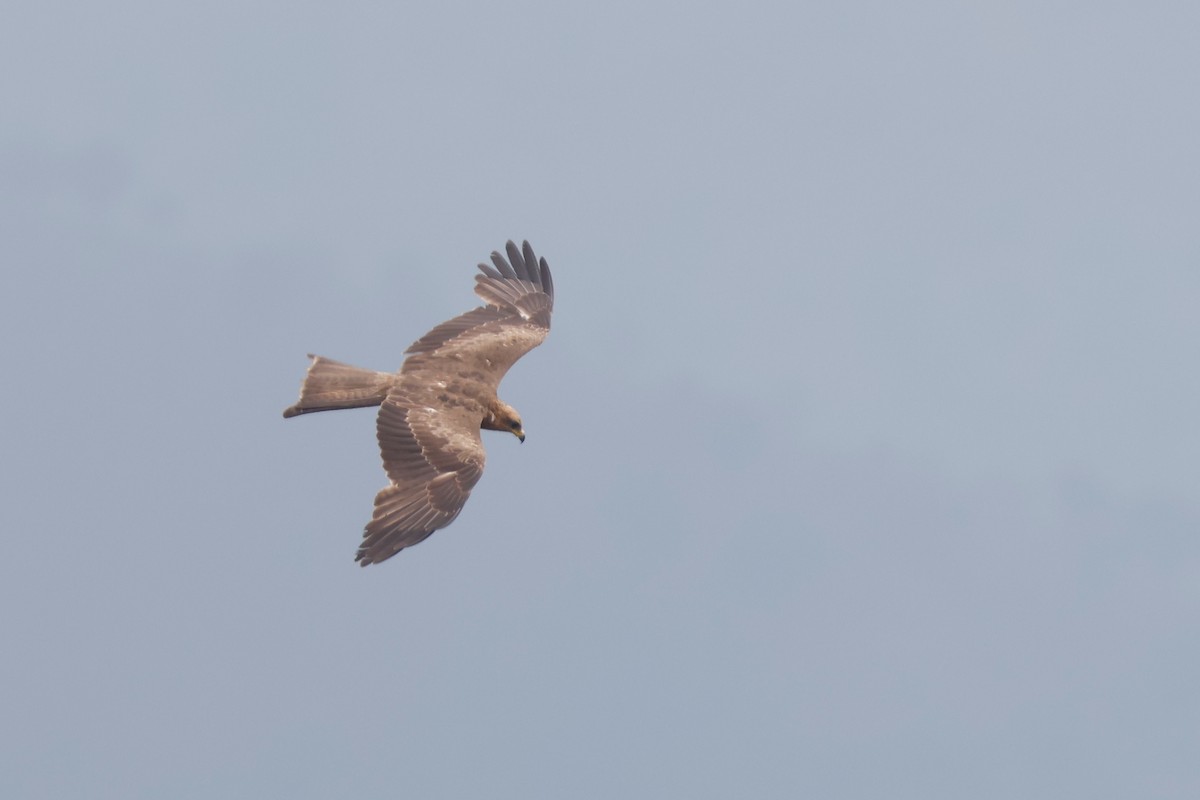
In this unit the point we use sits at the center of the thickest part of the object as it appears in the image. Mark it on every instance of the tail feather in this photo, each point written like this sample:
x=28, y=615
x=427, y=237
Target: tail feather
x=330, y=385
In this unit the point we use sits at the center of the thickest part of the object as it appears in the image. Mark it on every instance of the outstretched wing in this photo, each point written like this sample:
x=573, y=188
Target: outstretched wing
x=433, y=458
x=488, y=340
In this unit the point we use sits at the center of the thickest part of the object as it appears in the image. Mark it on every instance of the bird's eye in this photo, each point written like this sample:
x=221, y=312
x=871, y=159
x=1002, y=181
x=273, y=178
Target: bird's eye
x=514, y=424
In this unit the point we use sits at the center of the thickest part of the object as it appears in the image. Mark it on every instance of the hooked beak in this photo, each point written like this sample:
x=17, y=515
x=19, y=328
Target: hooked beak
x=521, y=436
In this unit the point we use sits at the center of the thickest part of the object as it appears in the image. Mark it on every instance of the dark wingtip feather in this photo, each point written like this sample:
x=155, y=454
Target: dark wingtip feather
x=517, y=260
x=531, y=263
x=547, y=282
x=505, y=270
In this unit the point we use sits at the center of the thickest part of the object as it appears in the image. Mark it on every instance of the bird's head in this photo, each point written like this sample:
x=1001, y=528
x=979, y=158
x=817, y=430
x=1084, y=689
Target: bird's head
x=503, y=417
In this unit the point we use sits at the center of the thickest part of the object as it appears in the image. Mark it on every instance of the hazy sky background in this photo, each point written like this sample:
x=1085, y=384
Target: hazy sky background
x=862, y=459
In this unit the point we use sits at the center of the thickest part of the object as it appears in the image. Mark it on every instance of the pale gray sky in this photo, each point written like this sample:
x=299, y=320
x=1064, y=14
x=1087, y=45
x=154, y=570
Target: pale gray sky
x=862, y=460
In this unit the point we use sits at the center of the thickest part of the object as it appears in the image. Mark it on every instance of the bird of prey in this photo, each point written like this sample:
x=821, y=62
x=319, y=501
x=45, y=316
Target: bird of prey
x=432, y=410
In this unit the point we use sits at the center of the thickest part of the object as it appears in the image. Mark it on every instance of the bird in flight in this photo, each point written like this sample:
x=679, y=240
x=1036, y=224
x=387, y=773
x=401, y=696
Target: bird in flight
x=432, y=410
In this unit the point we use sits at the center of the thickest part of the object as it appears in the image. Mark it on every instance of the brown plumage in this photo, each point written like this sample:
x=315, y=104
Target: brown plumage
x=432, y=410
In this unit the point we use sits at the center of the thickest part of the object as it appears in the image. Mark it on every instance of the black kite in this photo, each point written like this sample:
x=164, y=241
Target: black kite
x=432, y=410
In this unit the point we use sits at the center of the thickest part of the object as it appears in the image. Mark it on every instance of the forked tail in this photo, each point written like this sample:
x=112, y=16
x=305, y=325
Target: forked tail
x=330, y=385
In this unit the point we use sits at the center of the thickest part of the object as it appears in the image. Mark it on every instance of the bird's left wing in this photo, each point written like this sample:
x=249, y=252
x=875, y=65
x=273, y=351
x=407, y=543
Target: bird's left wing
x=490, y=339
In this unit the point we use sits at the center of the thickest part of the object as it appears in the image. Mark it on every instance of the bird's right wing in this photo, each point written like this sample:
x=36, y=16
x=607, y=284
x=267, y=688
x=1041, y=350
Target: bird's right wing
x=433, y=458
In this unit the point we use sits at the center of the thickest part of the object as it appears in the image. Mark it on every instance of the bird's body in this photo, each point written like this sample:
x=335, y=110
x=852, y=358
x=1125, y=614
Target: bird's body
x=432, y=410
